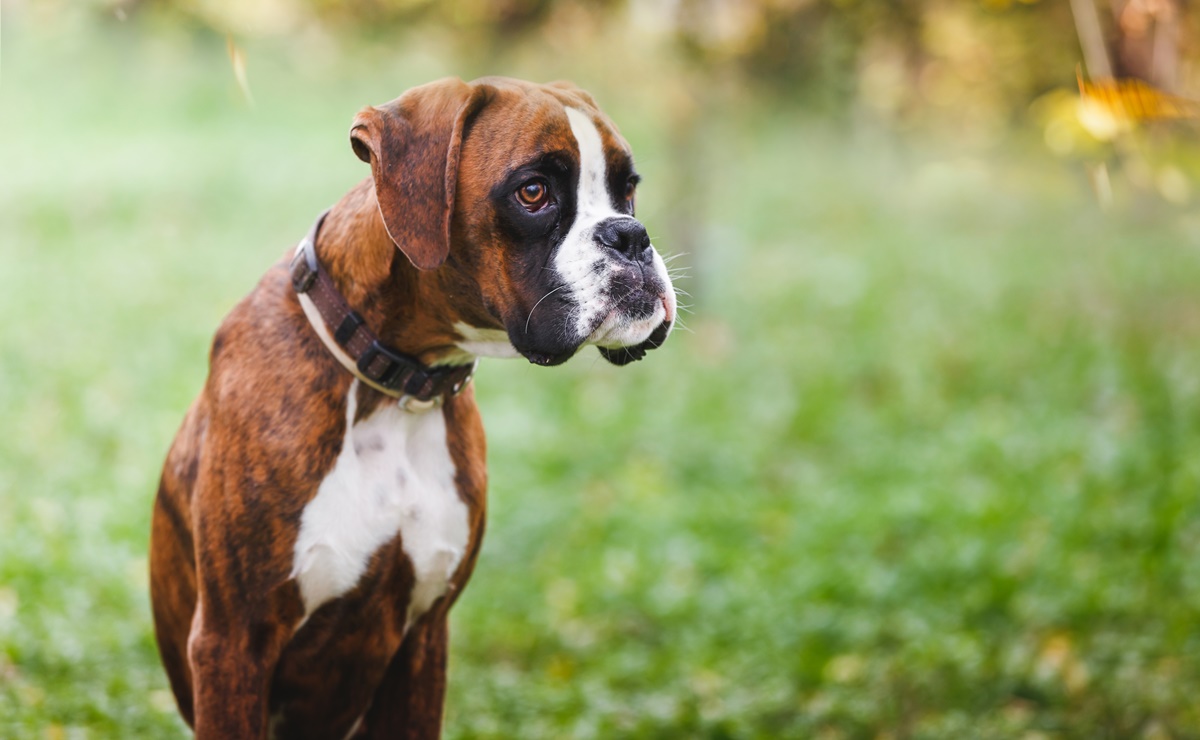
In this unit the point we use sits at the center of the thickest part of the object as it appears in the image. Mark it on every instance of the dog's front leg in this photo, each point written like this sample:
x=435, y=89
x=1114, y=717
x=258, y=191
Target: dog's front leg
x=408, y=704
x=231, y=674
x=245, y=614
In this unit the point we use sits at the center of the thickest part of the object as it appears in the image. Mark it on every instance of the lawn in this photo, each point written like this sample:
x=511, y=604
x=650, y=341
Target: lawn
x=925, y=463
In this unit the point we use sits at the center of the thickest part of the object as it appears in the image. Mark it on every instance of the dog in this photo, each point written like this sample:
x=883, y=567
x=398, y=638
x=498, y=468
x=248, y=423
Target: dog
x=322, y=505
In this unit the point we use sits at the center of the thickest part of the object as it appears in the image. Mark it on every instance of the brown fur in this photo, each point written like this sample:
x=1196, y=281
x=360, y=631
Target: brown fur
x=270, y=422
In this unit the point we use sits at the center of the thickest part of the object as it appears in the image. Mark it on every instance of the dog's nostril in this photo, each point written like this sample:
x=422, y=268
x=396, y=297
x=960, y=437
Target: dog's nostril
x=626, y=236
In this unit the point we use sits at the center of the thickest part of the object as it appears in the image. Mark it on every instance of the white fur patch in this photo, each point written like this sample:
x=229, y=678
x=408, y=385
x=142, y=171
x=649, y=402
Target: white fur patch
x=485, y=342
x=579, y=254
x=394, y=476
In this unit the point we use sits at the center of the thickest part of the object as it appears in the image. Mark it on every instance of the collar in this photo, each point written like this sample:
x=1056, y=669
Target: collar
x=348, y=338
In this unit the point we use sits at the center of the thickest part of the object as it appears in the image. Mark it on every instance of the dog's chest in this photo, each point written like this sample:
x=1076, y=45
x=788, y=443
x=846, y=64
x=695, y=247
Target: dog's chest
x=394, y=476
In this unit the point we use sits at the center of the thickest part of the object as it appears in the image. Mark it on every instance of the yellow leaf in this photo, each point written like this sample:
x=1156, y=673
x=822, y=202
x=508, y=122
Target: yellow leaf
x=1134, y=100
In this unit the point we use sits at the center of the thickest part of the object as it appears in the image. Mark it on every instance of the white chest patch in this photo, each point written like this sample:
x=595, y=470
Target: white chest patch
x=393, y=476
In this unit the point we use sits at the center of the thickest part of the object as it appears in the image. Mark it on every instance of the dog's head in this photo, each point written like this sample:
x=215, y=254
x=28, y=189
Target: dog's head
x=524, y=195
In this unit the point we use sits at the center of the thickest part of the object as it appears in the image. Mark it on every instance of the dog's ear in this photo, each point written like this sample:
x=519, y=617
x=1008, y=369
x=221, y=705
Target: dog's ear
x=412, y=145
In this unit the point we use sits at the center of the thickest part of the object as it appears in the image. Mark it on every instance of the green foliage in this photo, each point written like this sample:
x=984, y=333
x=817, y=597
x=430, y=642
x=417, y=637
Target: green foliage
x=925, y=464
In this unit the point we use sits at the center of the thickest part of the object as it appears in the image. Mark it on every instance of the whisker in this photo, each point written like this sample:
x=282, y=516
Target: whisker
x=530, y=317
x=628, y=293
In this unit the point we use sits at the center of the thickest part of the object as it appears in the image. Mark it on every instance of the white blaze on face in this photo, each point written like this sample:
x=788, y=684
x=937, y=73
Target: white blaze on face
x=579, y=255
x=579, y=252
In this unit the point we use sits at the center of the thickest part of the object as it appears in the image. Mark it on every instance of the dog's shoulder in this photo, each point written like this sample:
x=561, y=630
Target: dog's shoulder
x=272, y=386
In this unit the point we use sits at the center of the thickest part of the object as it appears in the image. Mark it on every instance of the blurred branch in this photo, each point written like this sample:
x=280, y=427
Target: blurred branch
x=1091, y=38
x=237, y=59
x=1148, y=40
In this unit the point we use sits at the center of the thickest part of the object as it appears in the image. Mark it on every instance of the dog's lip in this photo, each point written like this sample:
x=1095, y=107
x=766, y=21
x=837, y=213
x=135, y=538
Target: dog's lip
x=602, y=337
x=547, y=359
x=629, y=334
x=624, y=355
x=656, y=325
x=669, y=306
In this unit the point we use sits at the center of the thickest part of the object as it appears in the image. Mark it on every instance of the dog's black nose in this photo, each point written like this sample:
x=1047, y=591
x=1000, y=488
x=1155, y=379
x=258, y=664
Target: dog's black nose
x=626, y=236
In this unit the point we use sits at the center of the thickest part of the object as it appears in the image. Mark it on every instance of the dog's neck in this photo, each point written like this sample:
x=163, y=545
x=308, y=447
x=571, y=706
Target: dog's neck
x=406, y=307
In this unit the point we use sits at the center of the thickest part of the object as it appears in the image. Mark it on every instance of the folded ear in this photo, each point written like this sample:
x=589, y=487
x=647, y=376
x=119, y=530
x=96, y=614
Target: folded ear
x=413, y=144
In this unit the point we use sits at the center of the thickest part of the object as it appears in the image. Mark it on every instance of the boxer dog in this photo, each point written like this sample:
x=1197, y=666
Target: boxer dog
x=323, y=503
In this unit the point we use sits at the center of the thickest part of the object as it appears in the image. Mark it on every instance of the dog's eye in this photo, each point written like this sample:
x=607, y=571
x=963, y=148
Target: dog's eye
x=533, y=194
x=630, y=189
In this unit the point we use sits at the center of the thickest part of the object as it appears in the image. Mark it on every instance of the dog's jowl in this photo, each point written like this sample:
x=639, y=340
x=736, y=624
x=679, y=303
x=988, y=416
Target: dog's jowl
x=322, y=505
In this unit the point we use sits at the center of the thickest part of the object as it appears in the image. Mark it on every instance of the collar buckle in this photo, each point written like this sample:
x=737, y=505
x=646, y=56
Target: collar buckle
x=304, y=267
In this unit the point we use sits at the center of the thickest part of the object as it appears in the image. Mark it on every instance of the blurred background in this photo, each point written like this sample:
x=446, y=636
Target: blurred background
x=923, y=461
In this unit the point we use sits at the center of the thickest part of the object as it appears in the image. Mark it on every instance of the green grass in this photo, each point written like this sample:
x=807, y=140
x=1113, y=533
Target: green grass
x=926, y=464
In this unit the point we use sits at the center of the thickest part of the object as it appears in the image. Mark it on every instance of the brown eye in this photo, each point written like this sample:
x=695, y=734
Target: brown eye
x=533, y=194
x=630, y=188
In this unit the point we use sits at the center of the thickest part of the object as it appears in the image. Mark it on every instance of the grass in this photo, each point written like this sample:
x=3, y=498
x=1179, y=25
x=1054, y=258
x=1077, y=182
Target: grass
x=926, y=464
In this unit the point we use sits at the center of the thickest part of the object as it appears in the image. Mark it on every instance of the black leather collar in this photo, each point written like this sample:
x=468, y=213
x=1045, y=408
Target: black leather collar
x=352, y=342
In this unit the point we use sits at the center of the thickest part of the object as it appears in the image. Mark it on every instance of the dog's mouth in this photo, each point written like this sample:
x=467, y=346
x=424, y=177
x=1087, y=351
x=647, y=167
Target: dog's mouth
x=635, y=328
x=624, y=355
x=547, y=359
x=618, y=354
x=623, y=336
x=638, y=320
